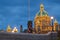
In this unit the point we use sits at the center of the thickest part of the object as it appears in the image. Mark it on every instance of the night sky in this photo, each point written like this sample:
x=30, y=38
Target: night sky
x=15, y=12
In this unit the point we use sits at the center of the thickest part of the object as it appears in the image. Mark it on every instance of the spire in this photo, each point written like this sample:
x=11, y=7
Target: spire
x=8, y=28
x=55, y=21
x=15, y=29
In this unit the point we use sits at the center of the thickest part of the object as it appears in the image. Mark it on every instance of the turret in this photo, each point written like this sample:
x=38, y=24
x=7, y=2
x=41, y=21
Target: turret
x=55, y=21
x=55, y=25
x=8, y=28
x=15, y=29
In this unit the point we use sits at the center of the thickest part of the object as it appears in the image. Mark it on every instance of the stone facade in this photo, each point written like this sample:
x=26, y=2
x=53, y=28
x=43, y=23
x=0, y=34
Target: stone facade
x=27, y=36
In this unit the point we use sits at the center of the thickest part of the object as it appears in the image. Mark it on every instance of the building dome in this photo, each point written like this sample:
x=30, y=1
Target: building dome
x=44, y=13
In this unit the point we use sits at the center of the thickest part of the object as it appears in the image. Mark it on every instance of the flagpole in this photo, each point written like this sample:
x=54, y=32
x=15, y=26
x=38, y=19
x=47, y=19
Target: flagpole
x=28, y=9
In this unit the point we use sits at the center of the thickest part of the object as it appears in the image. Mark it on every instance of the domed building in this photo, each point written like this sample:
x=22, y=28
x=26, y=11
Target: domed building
x=42, y=21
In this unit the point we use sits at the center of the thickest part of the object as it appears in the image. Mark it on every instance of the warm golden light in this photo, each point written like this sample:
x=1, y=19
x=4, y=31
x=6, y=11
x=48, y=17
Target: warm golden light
x=15, y=30
x=52, y=17
x=8, y=28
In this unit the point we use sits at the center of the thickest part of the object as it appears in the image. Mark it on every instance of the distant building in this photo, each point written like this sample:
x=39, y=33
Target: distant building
x=21, y=28
x=25, y=31
x=56, y=27
x=30, y=27
x=15, y=30
x=2, y=30
x=9, y=29
x=59, y=27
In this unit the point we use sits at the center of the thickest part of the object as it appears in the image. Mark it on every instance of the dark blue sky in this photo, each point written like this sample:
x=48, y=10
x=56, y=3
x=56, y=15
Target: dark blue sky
x=15, y=12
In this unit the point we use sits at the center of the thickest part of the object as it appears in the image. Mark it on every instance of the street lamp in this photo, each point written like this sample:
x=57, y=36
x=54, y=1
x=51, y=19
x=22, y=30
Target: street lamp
x=52, y=17
x=52, y=22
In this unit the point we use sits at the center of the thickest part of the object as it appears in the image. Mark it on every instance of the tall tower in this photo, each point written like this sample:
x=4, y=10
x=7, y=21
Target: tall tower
x=29, y=21
x=29, y=26
x=55, y=25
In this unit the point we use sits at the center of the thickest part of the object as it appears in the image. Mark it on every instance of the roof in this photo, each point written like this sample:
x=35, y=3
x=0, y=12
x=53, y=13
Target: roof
x=44, y=13
x=55, y=21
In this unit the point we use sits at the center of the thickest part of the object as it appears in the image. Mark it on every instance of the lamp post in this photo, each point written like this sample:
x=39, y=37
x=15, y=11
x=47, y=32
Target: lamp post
x=52, y=22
